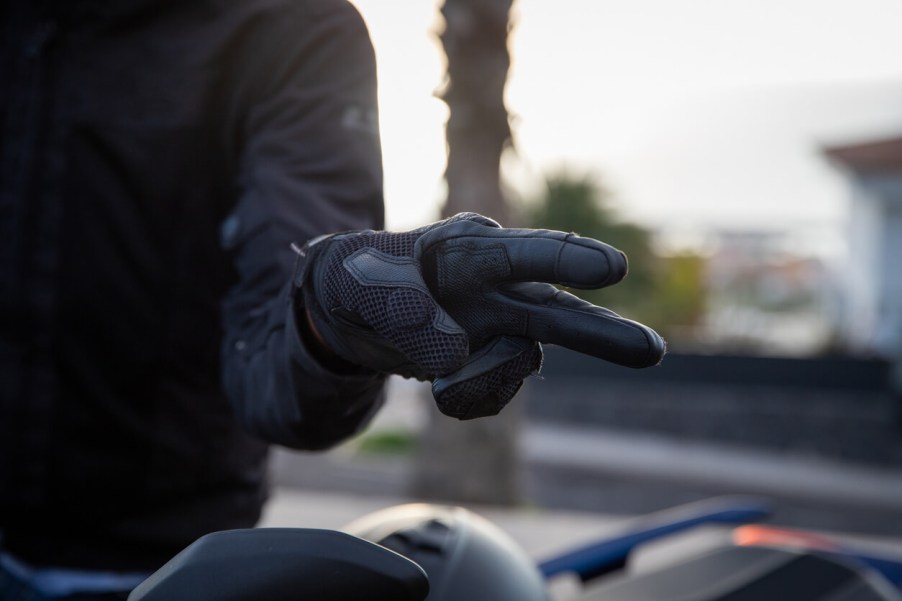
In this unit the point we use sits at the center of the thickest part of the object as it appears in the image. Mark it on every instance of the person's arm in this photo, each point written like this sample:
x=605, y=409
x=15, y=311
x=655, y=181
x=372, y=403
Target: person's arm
x=306, y=138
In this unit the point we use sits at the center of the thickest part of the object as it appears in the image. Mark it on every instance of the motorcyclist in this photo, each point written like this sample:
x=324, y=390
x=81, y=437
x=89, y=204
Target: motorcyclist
x=159, y=159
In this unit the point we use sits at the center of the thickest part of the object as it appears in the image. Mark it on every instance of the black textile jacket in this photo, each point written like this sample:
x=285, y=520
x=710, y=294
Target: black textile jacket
x=157, y=158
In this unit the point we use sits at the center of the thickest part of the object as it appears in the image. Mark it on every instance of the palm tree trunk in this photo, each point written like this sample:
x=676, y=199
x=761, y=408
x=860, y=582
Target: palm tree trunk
x=478, y=130
x=473, y=461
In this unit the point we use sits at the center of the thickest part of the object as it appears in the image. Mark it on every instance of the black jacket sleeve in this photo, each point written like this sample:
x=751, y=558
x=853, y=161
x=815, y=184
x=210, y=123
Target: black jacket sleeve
x=305, y=131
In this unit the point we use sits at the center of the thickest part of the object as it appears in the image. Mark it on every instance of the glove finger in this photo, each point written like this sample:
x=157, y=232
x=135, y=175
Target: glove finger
x=498, y=254
x=473, y=218
x=557, y=317
x=489, y=379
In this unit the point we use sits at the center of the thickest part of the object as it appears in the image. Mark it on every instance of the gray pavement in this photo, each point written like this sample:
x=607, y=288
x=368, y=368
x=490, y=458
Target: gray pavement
x=604, y=473
x=618, y=472
x=663, y=458
x=611, y=473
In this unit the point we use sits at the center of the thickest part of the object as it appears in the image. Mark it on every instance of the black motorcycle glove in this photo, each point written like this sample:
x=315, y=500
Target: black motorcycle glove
x=465, y=304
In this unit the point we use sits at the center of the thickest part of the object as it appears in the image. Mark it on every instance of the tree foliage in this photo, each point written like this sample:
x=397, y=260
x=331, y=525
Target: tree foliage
x=666, y=292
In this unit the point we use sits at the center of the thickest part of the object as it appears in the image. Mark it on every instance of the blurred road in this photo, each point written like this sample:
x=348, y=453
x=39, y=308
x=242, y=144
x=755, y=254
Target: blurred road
x=597, y=469
x=604, y=476
x=604, y=473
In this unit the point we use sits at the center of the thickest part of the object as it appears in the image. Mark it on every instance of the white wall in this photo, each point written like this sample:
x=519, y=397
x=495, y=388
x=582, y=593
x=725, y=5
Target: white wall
x=889, y=326
x=873, y=317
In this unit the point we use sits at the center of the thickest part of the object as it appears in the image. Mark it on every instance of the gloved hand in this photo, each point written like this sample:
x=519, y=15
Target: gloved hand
x=464, y=303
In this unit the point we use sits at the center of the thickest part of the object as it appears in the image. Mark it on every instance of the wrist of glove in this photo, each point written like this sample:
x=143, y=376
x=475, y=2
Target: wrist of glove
x=465, y=304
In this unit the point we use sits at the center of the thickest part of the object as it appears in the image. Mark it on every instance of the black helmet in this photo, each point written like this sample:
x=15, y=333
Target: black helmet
x=466, y=557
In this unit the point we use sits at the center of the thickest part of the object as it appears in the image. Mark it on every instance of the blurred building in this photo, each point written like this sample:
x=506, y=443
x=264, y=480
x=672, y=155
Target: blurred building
x=872, y=320
x=766, y=297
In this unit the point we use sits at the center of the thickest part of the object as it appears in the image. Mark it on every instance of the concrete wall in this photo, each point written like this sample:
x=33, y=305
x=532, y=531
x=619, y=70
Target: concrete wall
x=837, y=408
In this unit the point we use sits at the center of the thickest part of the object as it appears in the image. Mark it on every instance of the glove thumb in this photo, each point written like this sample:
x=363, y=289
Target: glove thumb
x=489, y=379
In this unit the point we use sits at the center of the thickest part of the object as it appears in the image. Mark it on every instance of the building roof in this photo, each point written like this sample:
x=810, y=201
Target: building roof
x=883, y=156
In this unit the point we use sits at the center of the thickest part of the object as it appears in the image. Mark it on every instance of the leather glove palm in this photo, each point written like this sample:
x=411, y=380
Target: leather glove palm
x=465, y=303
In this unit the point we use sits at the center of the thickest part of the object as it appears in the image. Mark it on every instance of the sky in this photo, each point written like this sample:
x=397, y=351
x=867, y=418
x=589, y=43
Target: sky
x=697, y=114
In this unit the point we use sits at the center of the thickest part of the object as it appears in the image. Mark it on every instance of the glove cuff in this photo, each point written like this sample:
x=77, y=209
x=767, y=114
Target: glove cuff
x=308, y=315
